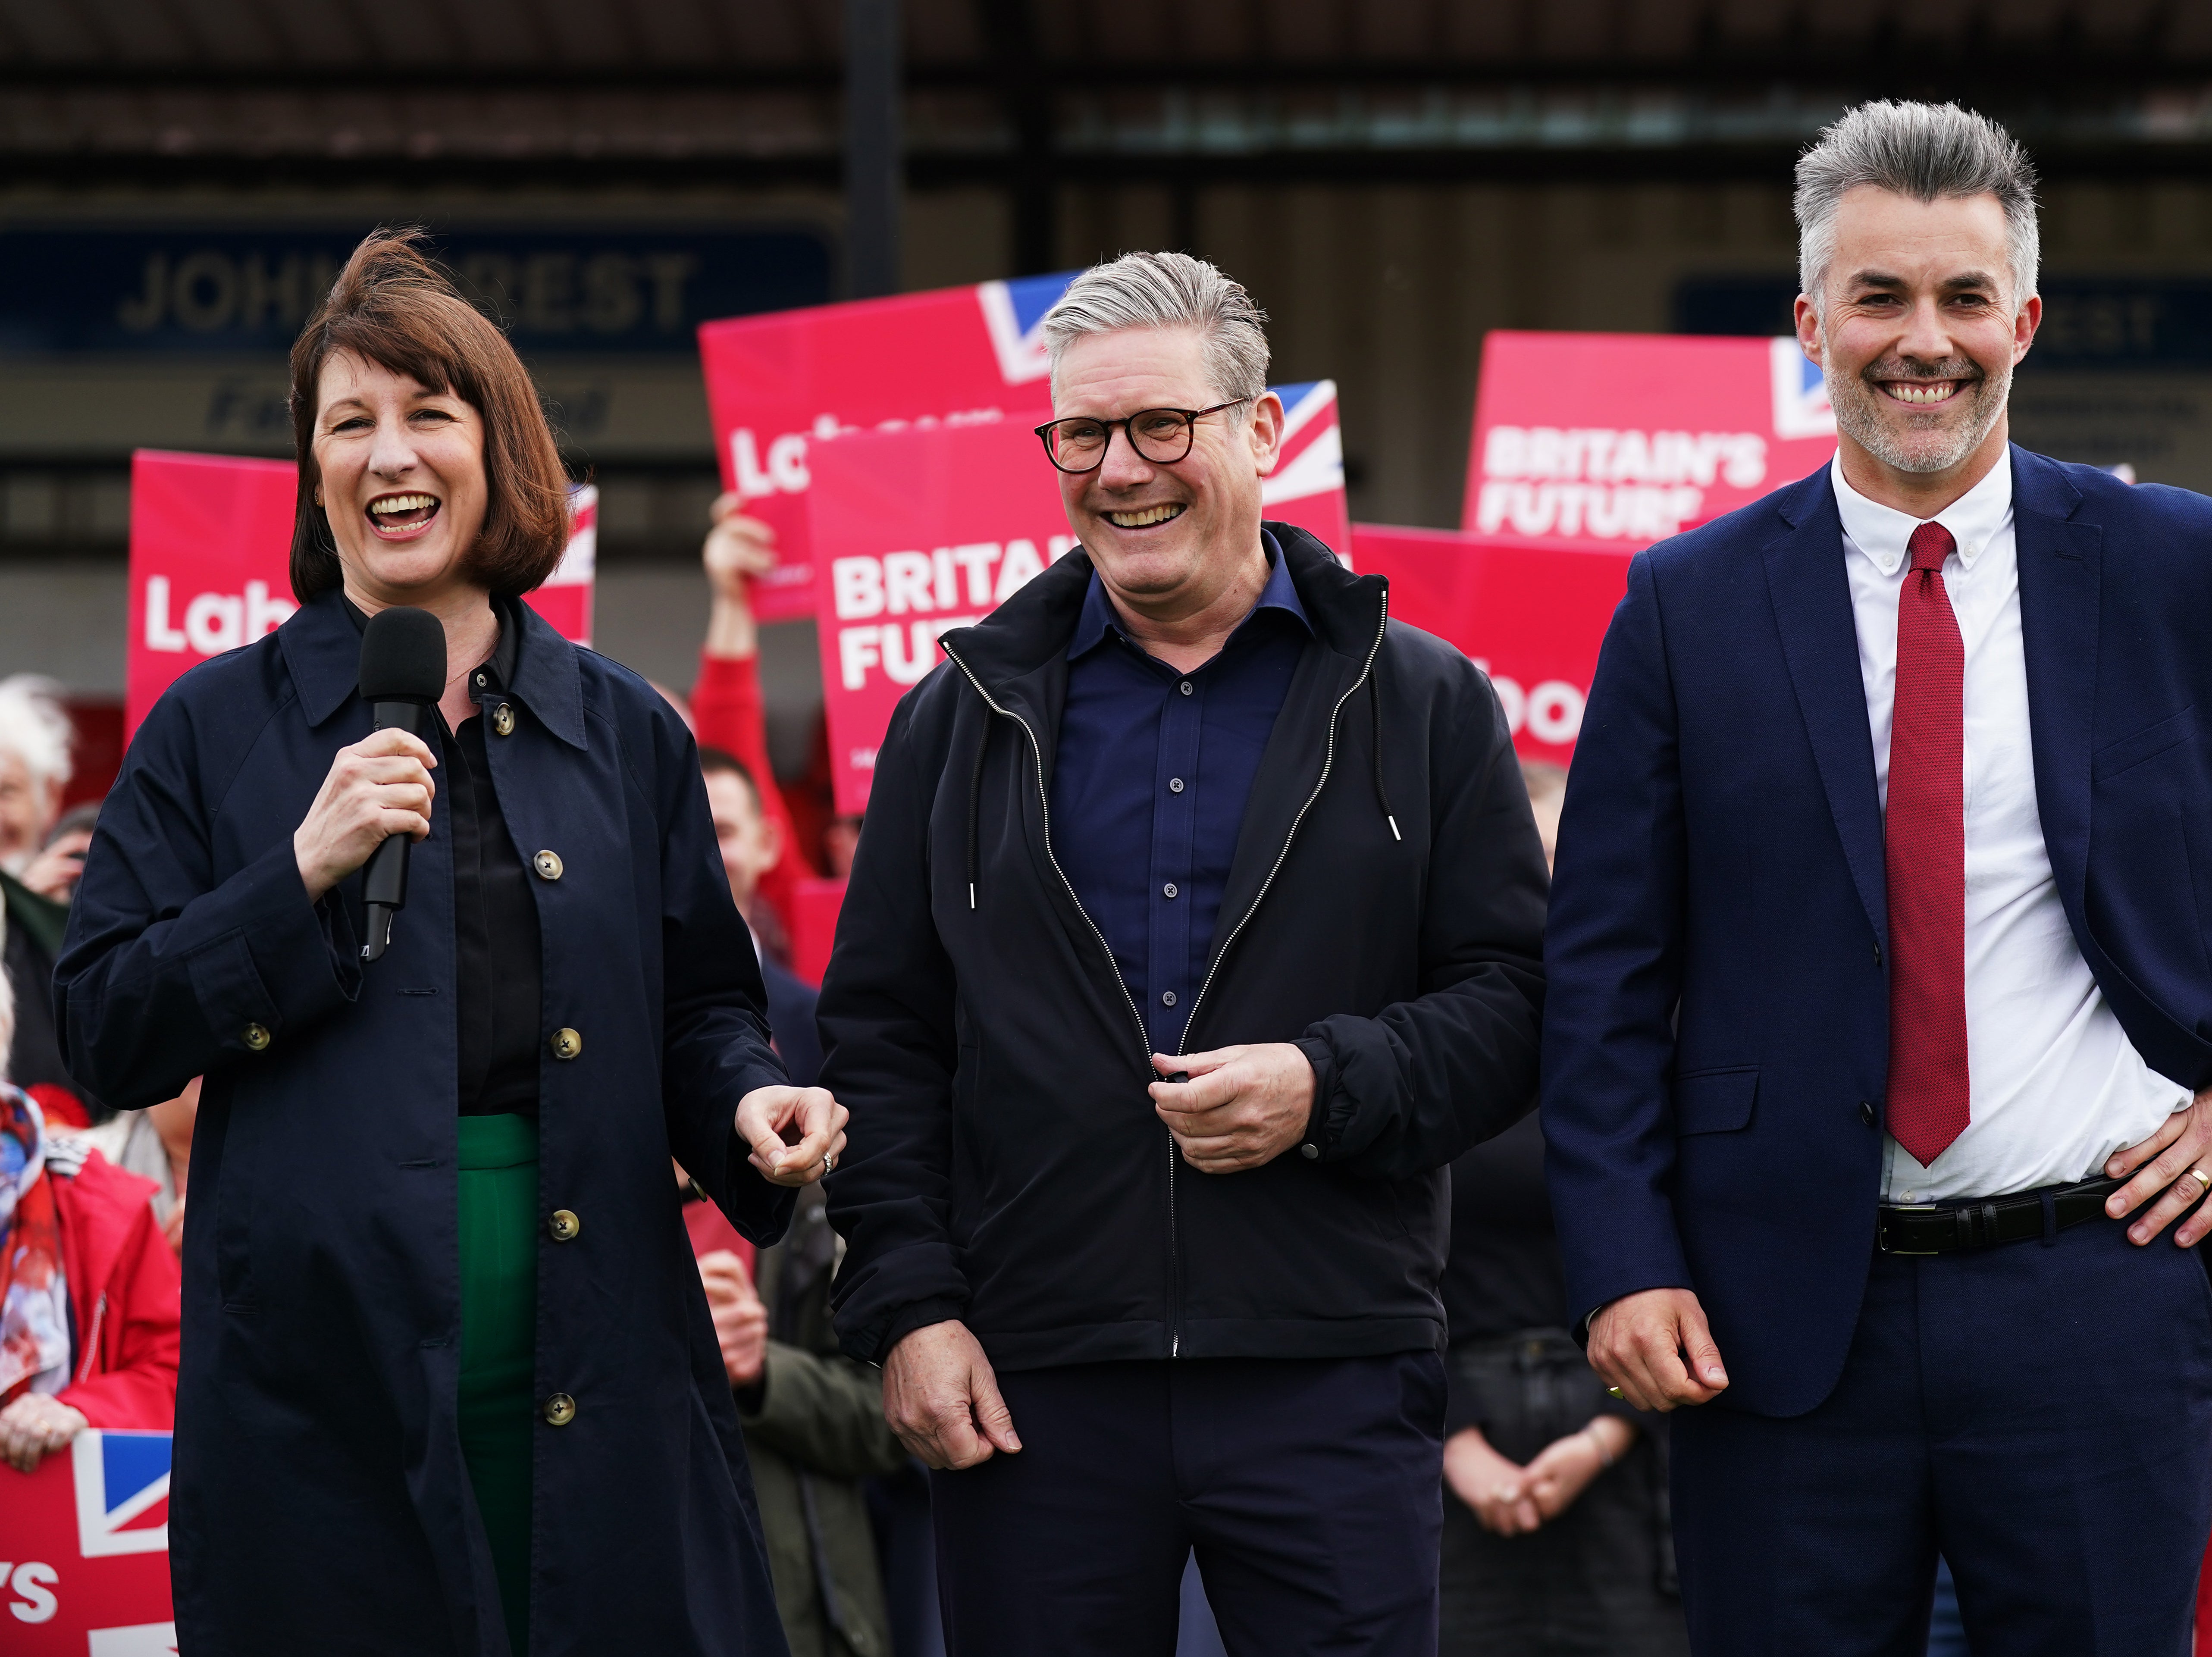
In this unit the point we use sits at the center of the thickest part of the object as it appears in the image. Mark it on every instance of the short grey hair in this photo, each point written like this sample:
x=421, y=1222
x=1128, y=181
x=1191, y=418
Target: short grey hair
x=1167, y=290
x=1929, y=152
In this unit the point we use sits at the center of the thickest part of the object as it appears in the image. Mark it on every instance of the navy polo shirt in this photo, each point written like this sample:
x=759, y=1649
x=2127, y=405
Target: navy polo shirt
x=1148, y=785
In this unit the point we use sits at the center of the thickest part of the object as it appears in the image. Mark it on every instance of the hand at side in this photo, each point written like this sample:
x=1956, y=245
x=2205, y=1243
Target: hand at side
x=943, y=1400
x=1656, y=1348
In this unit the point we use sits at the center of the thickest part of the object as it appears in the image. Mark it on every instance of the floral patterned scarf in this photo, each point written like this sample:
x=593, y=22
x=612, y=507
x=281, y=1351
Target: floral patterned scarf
x=33, y=1300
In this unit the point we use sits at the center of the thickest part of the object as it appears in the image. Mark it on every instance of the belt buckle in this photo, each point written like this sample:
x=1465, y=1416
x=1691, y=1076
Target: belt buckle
x=1882, y=1243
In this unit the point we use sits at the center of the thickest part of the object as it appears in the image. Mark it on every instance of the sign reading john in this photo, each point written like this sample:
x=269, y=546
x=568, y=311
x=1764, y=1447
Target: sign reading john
x=174, y=337
x=194, y=289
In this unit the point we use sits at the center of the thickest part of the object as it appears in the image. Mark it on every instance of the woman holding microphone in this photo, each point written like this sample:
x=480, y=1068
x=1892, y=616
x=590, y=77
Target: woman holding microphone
x=449, y=1381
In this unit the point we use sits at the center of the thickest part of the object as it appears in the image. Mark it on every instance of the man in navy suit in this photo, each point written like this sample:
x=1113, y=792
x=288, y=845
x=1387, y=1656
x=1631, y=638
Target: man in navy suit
x=1880, y=1009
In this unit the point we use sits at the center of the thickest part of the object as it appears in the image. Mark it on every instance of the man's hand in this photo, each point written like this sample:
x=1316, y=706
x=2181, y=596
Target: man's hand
x=2165, y=1162
x=942, y=1400
x=34, y=1425
x=740, y=1320
x=797, y=1133
x=1489, y=1484
x=53, y=873
x=1243, y=1106
x=1656, y=1349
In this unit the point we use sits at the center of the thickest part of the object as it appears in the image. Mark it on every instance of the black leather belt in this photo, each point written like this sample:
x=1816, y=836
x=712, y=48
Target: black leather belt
x=1944, y=1227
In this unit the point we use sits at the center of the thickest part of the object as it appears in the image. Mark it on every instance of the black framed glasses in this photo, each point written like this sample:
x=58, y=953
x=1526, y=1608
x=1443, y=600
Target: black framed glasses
x=1162, y=436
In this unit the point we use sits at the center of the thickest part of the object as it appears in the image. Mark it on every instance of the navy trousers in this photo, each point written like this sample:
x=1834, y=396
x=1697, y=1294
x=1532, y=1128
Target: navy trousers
x=2040, y=1412
x=1310, y=1489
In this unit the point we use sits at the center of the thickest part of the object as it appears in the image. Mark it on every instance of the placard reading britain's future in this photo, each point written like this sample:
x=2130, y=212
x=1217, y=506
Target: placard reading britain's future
x=1613, y=441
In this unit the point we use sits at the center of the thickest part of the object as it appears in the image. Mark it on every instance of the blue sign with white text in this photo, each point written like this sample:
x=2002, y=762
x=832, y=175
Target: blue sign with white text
x=71, y=290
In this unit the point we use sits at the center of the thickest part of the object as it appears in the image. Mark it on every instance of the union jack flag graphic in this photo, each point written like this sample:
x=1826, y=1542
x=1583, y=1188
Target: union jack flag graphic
x=1801, y=392
x=122, y=1492
x=1011, y=311
x=1306, y=486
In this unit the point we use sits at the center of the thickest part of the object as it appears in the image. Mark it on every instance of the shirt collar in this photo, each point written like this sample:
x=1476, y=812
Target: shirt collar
x=500, y=665
x=1881, y=532
x=1281, y=593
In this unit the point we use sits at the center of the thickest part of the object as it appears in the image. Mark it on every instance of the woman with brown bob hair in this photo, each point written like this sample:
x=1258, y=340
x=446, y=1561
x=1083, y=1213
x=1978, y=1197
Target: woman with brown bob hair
x=449, y=1383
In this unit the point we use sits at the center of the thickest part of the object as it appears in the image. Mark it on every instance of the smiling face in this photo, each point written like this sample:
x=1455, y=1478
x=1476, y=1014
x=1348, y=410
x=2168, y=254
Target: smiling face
x=1165, y=538
x=403, y=482
x=1918, y=330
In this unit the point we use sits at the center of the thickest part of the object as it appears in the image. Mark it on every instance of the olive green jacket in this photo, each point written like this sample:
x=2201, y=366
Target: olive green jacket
x=814, y=1428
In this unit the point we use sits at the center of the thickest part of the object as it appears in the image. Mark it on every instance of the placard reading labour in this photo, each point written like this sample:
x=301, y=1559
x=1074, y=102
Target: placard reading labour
x=211, y=557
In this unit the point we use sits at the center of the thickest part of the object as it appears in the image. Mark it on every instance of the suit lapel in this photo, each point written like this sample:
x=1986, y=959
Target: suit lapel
x=1812, y=598
x=2061, y=576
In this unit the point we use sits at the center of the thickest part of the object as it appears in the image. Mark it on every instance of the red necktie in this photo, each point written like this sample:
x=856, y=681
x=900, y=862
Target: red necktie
x=1926, y=854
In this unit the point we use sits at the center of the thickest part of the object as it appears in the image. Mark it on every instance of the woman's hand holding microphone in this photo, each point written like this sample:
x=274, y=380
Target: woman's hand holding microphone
x=378, y=787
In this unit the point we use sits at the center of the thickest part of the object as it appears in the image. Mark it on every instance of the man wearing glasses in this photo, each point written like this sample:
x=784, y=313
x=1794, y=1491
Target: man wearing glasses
x=1195, y=928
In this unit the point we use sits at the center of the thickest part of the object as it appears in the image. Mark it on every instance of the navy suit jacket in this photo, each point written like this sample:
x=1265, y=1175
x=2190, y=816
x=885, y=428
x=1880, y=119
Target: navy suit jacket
x=1716, y=1030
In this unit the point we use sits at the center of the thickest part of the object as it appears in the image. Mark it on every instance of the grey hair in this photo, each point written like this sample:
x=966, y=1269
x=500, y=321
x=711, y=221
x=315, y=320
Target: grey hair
x=34, y=727
x=1929, y=152
x=1167, y=290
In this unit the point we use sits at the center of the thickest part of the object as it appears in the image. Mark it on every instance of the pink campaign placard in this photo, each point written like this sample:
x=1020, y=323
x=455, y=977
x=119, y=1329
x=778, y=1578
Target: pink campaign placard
x=917, y=531
x=210, y=564
x=782, y=388
x=1532, y=618
x=84, y=1550
x=1613, y=441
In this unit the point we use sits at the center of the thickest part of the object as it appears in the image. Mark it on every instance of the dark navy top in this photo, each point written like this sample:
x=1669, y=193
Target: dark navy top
x=1149, y=787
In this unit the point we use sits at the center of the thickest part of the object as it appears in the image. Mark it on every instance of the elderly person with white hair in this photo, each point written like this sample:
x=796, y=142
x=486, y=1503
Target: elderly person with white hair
x=38, y=871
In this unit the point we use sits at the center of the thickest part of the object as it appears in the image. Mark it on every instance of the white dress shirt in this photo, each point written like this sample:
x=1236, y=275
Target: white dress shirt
x=2057, y=1086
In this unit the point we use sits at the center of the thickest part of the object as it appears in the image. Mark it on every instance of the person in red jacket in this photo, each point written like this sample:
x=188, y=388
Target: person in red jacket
x=727, y=709
x=89, y=1288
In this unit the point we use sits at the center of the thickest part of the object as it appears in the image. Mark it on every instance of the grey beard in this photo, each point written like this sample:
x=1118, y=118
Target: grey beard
x=1857, y=417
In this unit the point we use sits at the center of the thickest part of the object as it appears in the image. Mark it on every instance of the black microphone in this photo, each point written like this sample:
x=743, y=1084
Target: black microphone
x=402, y=674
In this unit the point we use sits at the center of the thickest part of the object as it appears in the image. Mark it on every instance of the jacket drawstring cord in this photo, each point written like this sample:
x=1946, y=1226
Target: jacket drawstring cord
x=975, y=811
x=1375, y=707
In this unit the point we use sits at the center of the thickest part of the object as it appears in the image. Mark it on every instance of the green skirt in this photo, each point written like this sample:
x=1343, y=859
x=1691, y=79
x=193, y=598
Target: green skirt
x=499, y=1343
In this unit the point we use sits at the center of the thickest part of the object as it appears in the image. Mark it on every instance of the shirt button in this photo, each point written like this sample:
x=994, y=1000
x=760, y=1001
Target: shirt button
x=481, y=682
x=1167, y=998
x=548, y=864
x=1168, y=890
x=1175, y=785
x=560, y=1409
x=1311, y=1153
x=564, y=1225
x=255, y=1036
x=502, y=720
x=1866, y=1112
x=566, y=1044
x=1186, y=687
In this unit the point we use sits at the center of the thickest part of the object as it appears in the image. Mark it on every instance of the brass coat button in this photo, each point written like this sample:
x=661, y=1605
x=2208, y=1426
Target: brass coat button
x=564, y=1225
x=560, y=1409
x=548, y=864
x=255, y=1036
x=566, y=1044
x=502, y=720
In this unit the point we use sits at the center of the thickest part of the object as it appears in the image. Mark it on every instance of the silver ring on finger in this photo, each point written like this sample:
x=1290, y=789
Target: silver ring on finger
x=828, y=1162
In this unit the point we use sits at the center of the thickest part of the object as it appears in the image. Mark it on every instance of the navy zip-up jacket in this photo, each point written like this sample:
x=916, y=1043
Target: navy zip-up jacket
x=1384, y=910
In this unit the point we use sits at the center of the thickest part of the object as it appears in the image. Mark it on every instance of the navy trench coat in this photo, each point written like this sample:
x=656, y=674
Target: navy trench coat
x=320, y=1502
